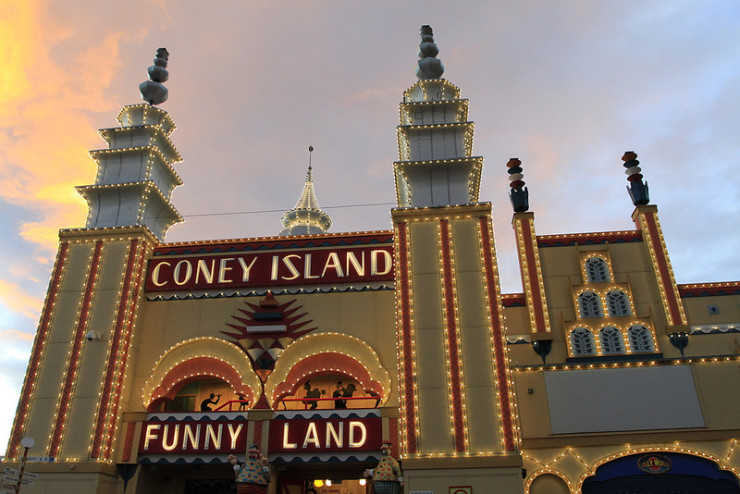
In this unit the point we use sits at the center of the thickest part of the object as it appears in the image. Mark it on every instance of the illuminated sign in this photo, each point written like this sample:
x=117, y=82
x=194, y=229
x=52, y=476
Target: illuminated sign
x=263, y=269
x=189, y=437
x=654, y=463
x=316, y=435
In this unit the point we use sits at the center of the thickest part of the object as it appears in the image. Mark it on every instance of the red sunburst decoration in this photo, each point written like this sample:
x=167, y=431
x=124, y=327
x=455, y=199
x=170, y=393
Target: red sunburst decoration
x=265, y=329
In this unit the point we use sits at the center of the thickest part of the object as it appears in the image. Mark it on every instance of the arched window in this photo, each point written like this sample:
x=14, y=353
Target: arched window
x=611, y=340
x=618, y=303
x=597, y=270
x=582, y=342
x=640, y=339
x=589, y=305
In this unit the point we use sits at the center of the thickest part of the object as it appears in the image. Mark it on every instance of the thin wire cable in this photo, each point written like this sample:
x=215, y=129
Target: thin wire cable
x=260, y=211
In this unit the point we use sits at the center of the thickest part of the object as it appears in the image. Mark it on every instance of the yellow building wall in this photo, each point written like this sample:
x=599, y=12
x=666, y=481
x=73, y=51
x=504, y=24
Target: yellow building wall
x=368, y=316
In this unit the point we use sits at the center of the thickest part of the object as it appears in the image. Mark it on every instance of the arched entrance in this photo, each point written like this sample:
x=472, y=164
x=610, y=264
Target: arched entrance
x=661, y=473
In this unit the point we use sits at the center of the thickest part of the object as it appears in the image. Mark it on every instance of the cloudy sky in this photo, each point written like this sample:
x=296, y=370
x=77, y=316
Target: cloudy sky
x=565, y=86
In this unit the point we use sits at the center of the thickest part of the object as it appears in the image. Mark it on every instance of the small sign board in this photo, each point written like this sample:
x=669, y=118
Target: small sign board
x=10, y=478
x=30, y=476
x=12, y=471
x=42, y=459
x=10, y=486
x=654, y=464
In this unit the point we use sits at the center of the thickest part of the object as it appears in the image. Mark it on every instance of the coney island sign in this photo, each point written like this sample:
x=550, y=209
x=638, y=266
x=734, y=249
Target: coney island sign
x=336, y=265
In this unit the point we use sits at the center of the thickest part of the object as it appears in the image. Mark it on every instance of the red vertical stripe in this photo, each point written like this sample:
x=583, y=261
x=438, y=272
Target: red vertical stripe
x=38, y=349
x=113, y=365
x=498, y=340
x=393, y=433
x=534, y=282
x=402, y=276
x=258, y=426
x=129, y=442
x=74, y=358
x=663, y=270
x=453, y=353
x=128, y=336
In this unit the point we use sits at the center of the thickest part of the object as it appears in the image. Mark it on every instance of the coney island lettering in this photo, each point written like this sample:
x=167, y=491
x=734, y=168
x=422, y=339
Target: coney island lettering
x=351, y=265
x=302, y=436
x=188, y=437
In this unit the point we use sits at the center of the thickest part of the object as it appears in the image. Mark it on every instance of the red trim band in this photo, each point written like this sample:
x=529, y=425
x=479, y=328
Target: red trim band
x=74, y=358
x=534, y=277
x=498, y=340
x=406, y=344
x=38, y=348
x=103, y=416
x=450, y=329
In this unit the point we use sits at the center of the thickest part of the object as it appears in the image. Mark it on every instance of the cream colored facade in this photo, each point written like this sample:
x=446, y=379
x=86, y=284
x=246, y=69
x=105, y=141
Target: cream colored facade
x=601, y=370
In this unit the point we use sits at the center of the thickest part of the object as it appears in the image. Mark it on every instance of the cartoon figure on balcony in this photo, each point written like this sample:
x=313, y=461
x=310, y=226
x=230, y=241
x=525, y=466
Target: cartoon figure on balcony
x=314, y=393
x=205, y=405
x=253, y=476
x=387, y=478
x=348, y=392
x=338, y=393
x=243, y=402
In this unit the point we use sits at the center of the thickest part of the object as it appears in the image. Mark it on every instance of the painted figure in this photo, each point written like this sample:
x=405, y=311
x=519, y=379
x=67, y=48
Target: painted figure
x=312, y=393
x=338, y=393
x=348, y=392
x=253, y=476
x=387, y=478
x=205, y=405
x=242, y=401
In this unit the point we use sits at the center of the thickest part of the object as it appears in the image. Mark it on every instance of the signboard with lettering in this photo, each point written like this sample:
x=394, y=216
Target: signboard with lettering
x=335, y=265
x=654, y=463
x=193, y=437
x=325, y=434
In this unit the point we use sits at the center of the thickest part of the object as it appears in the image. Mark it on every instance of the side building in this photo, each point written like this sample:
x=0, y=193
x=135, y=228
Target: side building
x=155, y=360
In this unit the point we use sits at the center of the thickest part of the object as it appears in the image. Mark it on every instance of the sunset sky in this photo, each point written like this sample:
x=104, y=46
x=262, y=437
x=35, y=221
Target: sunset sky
x=565, y=86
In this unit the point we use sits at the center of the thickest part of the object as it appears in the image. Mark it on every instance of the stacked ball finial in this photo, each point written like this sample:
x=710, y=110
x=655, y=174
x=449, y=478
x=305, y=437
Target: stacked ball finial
x=519, y=194
x=152, y=91
x=638, y=191
x=428, y=66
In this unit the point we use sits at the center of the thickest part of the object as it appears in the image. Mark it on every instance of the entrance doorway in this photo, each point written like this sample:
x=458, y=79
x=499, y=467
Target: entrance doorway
x=210, y=486
x=661, y=473
x=324, y=478
x=326, y=486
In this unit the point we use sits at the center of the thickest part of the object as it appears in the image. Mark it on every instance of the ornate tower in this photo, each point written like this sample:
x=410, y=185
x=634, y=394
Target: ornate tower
x=452, y=351
x=645, y=217
x=306, y=217
x=135, y=175
x=529, y=260
x=74, y=390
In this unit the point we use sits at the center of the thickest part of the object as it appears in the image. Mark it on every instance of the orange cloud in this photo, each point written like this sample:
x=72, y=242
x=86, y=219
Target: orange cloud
x=46, y=102
x=15, y=298
x=9, y=335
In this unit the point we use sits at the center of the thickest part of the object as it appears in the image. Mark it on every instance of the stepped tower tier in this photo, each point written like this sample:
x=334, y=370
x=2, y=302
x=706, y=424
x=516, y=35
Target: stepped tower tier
x=135, y=176
x=435, y=140
x=306, y=218
x=455, y=395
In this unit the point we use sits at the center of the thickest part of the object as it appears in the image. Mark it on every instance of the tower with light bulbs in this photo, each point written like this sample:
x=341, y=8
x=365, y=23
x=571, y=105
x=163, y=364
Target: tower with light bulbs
x=73, y=394
x=457, y=404
x=153, y=361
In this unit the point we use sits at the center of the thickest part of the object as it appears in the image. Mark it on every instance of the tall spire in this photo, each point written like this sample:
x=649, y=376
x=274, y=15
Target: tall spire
x=152, y=91
x=435, y=164
x=306, y=217
x=135, y=176
x=638, y=191
x=519, y=194
x=428, y=66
